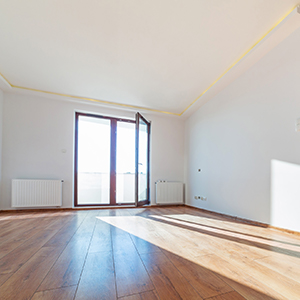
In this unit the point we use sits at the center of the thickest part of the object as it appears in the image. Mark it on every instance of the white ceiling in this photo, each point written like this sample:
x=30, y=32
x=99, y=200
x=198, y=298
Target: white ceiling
x=154, y=54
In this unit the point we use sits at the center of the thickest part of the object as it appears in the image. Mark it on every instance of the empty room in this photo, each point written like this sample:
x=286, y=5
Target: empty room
x=150, y=150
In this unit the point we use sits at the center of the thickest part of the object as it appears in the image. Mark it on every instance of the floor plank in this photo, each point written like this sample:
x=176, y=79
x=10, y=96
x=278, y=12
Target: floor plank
x=98, y=278
x=67, y=269
x=128, y=265
x=131, y=297
x=278, y=262
x=143, y=246
x=63, y=236
x=248, y=292
x=21, y=234
x=101, y=240
x=151, y=295
x=131, y=276
x=206, y=282
x=23, y=283
x=273, y=279
x=228, y=296
x=16, y=258
x=168, y=281
x=4, y=277
x=231, y=274
x=65, y=293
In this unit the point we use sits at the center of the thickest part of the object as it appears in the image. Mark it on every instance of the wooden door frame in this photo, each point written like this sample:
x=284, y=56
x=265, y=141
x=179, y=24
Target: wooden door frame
x=147, y=201
x=113, y=145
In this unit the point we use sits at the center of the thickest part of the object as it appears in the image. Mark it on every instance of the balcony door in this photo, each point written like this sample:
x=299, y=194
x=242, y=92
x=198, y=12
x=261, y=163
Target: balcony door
x=106, y=152
x=142, y=158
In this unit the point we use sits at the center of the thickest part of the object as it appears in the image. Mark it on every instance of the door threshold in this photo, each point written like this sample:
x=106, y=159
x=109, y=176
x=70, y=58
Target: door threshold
x=105, y=207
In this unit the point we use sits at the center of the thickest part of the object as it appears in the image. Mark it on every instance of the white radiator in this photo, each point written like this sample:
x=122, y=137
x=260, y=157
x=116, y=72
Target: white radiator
x=35, y=193
x=170, y=192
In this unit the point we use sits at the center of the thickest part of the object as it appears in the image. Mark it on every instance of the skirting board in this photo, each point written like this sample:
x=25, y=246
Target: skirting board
x=246, y=221
x=85, y=208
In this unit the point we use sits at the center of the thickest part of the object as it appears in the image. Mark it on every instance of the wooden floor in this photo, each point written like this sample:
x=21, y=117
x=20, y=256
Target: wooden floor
x=153, y=253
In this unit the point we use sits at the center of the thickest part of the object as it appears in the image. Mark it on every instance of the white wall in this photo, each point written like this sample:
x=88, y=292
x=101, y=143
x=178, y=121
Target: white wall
x=236, y=136
x=36, y=129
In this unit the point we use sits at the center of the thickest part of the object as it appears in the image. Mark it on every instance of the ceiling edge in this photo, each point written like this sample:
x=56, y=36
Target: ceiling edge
x=96, y=100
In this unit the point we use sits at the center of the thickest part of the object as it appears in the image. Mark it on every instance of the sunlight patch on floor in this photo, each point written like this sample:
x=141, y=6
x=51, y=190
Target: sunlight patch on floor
x=198, y=247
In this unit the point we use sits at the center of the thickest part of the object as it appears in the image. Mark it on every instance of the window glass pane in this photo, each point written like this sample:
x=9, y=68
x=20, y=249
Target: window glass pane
x=125, y=162
x=93, y=160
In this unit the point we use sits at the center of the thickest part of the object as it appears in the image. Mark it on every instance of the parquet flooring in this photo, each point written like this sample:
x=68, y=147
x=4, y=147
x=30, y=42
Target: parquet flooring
x=144, y=254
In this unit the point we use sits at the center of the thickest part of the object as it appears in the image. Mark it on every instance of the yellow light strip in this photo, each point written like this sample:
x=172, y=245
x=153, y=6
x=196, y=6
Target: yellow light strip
x=156, y=110
x=96, y=100
x=286, y=15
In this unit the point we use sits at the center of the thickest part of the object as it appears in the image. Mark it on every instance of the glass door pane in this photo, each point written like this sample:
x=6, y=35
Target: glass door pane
x=93, y=181
x=125, y=165
x=143, y=153
x=142, y=160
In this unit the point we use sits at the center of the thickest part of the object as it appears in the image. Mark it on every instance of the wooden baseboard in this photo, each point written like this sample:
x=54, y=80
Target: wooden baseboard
x=242, y=220
x=237, y=219
x=62, y=209
x=22, y=210
x=284, y=230
x=166, y=205
x=83, y=208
